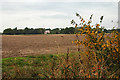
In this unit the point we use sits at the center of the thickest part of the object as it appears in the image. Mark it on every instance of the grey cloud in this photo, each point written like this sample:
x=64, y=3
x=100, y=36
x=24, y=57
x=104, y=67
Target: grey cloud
x=19, y=10
x=58, y=6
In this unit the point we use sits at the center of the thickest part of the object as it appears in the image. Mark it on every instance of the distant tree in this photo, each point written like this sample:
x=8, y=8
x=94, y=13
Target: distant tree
x=55, y=31
x=26, y=30
x=20, y=31
x=67, y=30
x=118, y=30
x=8, y=31
x=15, y=31
x=105, y=30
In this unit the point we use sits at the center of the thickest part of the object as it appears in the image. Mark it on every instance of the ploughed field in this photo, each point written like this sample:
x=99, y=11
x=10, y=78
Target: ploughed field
x=30, y=45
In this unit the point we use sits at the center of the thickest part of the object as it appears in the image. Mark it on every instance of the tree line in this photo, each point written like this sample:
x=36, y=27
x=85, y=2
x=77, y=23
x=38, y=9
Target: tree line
x=27, y=30
x=67, y=30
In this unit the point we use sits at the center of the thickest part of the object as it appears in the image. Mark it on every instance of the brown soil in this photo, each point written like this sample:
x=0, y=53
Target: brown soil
x=26, y=45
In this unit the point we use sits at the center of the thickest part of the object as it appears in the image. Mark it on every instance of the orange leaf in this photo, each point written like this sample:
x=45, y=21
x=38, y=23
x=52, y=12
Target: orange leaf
x=76, y=26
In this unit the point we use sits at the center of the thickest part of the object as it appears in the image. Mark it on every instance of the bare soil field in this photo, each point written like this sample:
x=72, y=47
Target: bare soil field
x=29, y=45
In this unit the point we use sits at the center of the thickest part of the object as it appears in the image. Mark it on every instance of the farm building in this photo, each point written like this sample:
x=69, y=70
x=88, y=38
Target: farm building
x=47, y=32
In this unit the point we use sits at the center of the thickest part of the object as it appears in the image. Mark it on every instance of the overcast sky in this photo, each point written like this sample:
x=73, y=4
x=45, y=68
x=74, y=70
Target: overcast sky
x=55, y=14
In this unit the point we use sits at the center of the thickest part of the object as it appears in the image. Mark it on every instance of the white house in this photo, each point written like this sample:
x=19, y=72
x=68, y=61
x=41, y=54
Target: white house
x=47, y=32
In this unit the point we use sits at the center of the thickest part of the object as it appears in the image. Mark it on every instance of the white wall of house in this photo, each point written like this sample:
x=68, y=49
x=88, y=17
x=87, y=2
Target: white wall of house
x=47, y=32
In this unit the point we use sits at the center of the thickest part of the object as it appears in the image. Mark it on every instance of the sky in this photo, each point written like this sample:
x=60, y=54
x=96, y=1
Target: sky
x=53, y=14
